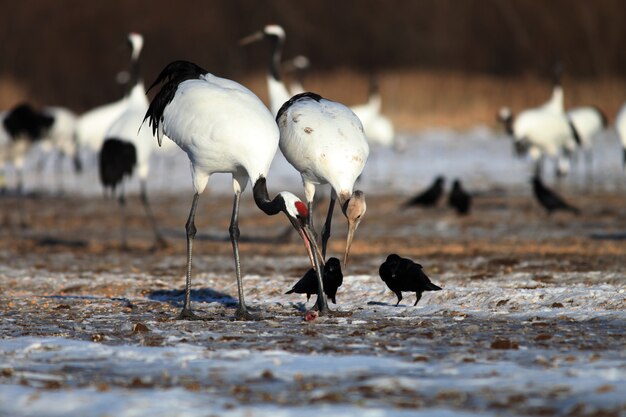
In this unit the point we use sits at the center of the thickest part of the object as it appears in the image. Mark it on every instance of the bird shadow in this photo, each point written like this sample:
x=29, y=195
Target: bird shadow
x=52, y=241
x=203, y=295
x=608, y=236
x=379, y=303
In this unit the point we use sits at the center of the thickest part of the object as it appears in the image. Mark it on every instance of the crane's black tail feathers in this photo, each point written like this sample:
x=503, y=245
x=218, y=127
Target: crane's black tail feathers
x=171, y=76
x=291, y=291
x=117, y=159
x=432, y=287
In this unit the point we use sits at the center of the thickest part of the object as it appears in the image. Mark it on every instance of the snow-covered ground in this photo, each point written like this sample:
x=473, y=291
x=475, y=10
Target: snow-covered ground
x=504, y=346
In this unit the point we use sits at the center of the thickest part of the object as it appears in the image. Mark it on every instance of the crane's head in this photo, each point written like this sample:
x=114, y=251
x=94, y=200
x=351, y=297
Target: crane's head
x=269, y=31
x=353, y=207
x=298, y=214
x=295, y=210
x=135, y=41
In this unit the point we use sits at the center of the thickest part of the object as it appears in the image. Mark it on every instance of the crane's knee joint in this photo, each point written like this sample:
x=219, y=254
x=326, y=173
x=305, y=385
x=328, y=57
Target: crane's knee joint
x=191, y=230
x=234, y=232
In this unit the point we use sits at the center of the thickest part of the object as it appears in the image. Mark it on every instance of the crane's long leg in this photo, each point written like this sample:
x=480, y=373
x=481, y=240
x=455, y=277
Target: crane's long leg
x=321, y=303
x=589, y=168
x=190, y=229
x=242, y=312
x=122, y=203
x=21, y=198
x=159, y=241
x=326, y=228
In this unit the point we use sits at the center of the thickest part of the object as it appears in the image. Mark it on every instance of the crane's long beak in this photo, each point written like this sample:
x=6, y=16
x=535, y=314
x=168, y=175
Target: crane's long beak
x=257, y=36
x=308, y=237
x=352, y=226
x=353, y=209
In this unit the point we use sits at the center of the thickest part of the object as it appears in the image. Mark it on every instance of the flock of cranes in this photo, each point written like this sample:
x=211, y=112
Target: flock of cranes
x=223, y=127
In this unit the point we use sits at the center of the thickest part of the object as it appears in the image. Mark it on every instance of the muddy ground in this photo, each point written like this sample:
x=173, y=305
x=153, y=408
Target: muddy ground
x=65, y=275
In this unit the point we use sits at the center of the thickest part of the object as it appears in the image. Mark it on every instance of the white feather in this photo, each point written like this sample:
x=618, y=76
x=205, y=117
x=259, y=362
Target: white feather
x=223, y=127
x=325, y=142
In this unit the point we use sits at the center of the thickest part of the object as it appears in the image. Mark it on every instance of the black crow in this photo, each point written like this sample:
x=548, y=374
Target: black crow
x=332, y=279
x=459, y=198
x=430, y=197
x=402, y=274
x=549, y=199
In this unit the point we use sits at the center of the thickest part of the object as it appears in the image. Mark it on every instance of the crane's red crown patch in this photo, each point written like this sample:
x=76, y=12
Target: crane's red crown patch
x=303, y=211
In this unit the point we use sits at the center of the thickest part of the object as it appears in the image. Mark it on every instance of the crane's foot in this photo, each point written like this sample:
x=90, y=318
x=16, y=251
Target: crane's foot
x=187, y=314
x=242, y=314
x=322, y=308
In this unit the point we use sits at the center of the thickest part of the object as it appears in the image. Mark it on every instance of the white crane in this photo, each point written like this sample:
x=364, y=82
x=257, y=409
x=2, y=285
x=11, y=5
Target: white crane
x=60, y=141
x=126, y=147
x=589, y=121
x=224, y=128
x=277, y=91
x=620, y=127
x=325, y=142
x=22, y=128
x=543, y=131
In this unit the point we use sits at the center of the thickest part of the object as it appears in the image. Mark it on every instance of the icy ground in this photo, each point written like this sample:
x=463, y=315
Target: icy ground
x=531, y=320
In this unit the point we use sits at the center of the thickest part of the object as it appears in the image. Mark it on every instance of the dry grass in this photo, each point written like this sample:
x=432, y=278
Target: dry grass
x=424, y=99
x=420, y=99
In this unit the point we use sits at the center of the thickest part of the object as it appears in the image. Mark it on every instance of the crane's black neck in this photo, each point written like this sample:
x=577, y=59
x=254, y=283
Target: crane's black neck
x=134, y=73
x=508, y=124
x=277, y=52
x=262, y=198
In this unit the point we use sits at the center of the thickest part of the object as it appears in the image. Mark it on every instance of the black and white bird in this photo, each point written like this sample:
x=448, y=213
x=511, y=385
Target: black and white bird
x=620, y=127
x=459, y=199
x=277, y=91
x=333, y=278
x=429, y=197
x=544, y=131
x=127, y=149
x=550, y=200
x=22, y=127
x=224, y=128
x=589, y=122
x=402, y=274
x=325, y=142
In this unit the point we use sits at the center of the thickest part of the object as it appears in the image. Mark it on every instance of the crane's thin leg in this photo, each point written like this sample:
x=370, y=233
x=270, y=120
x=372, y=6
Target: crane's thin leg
x=59, y=158
x=538, y=164
x=589, y=168
x=21, y=198
x=326, y=228
x=242, y=312
x=190, y=229
x=159, y=241
x=122, y=202
x=321, y=303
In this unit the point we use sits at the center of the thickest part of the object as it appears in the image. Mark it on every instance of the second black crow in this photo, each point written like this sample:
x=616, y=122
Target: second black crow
x=402, y=274
x=550, y=200
x=459, y=198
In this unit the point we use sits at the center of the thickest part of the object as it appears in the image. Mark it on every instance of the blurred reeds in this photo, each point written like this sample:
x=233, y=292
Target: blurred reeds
x=416, y=100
